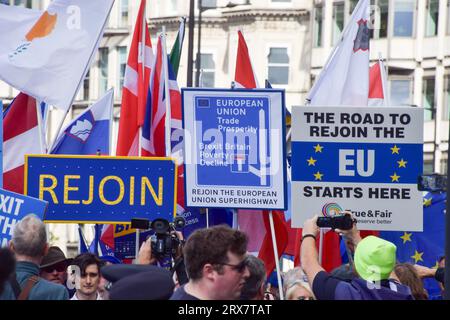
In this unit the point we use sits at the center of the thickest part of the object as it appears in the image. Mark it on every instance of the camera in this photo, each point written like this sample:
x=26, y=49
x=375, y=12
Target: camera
x=165, y=242
x=343, y=222
x=432, y=182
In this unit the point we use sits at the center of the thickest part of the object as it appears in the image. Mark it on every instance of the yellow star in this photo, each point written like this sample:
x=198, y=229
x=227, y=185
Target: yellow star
x=406, y=237
x=417, y=256
x=318, y=148
x=427, y=202
x=395, y=177
x=436, y=265
x=318, y=175
x=402, y=163
x=311, y=161
x=395, y=149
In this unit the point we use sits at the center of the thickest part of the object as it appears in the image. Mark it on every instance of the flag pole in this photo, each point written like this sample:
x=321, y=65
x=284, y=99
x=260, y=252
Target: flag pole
x=39, y=121
x=166, y=92
x=207, y=218
x=321, y=246
x=275, y=252
x=111, y=123
x=387, y=101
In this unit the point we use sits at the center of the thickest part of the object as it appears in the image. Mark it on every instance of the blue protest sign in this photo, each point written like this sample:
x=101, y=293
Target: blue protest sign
x=94, y=189
x=234, y=148
x=365, y=160
x=1, y=146
x=13, y=207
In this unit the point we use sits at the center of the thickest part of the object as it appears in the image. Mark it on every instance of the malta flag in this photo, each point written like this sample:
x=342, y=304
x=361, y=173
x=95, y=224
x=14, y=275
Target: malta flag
x=57, y=45
x=20, y=137
x=344, y=79
x=90, y=132
x=377, y=82
x=256, y=222
x=135, y=88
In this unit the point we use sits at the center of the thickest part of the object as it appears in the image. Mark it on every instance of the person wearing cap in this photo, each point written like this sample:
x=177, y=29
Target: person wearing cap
x=374, y=260
x=54, y=266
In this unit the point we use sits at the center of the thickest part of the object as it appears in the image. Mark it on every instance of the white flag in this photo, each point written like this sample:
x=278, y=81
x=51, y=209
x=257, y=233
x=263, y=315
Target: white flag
x=344, y=79
x=46, y=54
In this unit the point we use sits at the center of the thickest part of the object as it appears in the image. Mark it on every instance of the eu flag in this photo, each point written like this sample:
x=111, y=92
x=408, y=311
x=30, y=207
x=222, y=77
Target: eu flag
x=424, y=248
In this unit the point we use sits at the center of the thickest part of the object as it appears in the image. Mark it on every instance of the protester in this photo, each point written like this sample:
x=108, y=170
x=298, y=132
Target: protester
x=29, y=243
x=254, y=285
x=216, y=264
x=425, y=272
x=296, y=286
x=374, y=261
x=88, y=277
x=7, y=266
x=407, y=275
x=54, y=266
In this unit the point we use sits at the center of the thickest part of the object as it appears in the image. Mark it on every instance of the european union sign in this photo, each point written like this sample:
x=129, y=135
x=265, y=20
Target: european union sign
x=365, y=160
x=94, y=189
x=234, y=148
x=13, y=207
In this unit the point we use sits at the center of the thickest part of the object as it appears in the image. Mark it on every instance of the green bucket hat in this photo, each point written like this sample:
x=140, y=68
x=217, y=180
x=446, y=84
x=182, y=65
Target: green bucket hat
x=375, y=258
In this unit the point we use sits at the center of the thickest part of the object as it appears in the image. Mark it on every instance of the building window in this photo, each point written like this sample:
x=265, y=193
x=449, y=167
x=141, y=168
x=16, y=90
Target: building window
x=209, y=3
x=448, y=17
x=446, y=111
x=23, y=3
x=207, y=70
x=338, y=21
x=122, y=59
x=318, y=15
x=103, y=71
x=404, y=18
x=400, y=92
x=381, y=31
x=444, y=163
x=278, y=72
x=352, y=6
x=123, y=14
x=432, y=18
x=86, y=86
x=428, y=163
x=428, y=98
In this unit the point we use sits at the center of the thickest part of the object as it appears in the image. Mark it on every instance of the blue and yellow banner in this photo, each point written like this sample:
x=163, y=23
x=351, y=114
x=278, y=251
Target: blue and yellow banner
x=94, y=189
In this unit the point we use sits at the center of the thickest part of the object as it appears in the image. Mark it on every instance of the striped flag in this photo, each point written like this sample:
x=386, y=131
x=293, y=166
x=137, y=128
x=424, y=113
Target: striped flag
x=20, y=137
x=175, y=53
x=135, y=88
x=377, y=85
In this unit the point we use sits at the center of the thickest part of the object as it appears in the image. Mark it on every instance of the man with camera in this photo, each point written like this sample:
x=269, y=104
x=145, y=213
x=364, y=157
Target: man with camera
x=216, y=264
x=374, y=261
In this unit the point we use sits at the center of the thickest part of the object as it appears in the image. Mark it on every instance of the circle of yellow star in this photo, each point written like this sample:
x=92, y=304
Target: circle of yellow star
x=318, y=175
x=427, y=202
x=395, y=177
x=318, y=148
x=417, y=256
x=406, y=237
x=311, y=161
x=395, y=149
x=402, y=163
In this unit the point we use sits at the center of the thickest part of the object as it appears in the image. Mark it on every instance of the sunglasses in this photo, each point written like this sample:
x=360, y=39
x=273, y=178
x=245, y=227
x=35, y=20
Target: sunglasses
x=59, y=267
x=240, y=267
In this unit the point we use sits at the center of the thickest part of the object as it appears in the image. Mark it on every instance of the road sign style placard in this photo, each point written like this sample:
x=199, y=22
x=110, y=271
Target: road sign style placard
x=13, y=208
x=234, y=148
x=366, y=160
x=94, y=189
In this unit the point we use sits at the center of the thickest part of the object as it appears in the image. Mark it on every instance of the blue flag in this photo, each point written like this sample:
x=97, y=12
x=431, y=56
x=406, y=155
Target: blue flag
x=89, y=133
x=424, y=248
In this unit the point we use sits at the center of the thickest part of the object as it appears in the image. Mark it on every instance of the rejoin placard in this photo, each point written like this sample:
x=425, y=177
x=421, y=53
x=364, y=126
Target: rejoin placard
x=94, y=189
x=364, y=160
x=235, y=148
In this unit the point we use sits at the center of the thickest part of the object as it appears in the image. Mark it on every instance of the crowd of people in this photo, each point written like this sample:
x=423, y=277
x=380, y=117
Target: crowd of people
x=217, y=265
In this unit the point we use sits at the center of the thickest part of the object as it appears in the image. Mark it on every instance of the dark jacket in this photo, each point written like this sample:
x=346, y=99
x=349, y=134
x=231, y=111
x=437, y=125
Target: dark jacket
x=42, y=290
